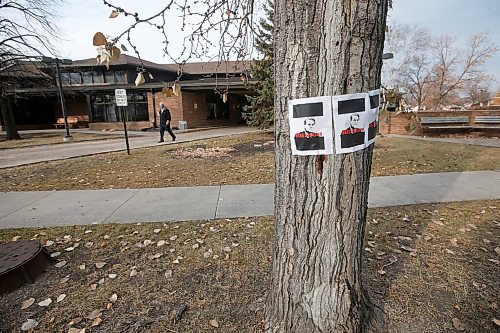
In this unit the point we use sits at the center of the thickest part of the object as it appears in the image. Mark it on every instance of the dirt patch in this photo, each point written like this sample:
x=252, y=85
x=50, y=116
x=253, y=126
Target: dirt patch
x=423, y=265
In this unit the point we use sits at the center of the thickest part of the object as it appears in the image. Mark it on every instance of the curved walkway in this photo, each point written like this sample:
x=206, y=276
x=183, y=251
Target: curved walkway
x=22, y=156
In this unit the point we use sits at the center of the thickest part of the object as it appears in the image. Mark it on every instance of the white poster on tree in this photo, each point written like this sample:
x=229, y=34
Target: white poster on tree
x=311, y=130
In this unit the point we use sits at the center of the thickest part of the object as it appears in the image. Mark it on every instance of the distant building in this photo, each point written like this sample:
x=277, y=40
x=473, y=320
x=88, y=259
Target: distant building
x=488, y=104
x=89, y=93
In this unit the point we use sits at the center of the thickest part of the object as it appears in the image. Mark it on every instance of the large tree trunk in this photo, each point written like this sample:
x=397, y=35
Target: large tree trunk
x=8, y=119
x=323, y=47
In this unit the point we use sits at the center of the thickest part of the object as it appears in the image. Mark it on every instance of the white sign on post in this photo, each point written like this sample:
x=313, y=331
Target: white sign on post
x=121, y=97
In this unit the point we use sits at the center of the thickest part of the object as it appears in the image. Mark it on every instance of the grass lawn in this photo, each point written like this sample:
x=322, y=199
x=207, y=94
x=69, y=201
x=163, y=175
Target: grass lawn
x=242, y=159
x=50, y=138
x=429, y=267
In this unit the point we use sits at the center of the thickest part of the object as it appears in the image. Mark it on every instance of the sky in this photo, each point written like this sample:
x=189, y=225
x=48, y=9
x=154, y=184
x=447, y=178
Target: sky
x=80, y=19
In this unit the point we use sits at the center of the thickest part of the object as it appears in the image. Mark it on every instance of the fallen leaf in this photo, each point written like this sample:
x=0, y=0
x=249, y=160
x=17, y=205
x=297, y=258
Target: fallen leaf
x=438, y=222
x=449, y=251
x=458, y=324
x=173, y=238
x=147, y=242
x=60, y=298
x=214, y=323
x=76, y=330
x=408, y=249
x=49, y=243
x=168, y=274
x=29, y=325
x=155, y=256
x=112, y=276
x=27, y=303
x=96, y=322
x=82, y=267
x=94, y=314
x=496, y=321
x=109, y=306
x=15, y=238
x=227, y=249
x=93, y=286
x=454, y=242
x=497, y=250
x=157, y=231
x=55, y=254
x=69, y=249
x=113, y=298
x=64, y=280
x=45, y=302
x=75, y=321
x=195, y=246
x=494, y=261
x=133, y=273
x=381, y=272
x=61, y=264
x=160, y=243
x=88, y=231
x=100, y=264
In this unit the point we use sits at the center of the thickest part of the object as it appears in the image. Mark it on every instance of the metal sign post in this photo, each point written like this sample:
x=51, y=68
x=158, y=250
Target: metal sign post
x=121, y=101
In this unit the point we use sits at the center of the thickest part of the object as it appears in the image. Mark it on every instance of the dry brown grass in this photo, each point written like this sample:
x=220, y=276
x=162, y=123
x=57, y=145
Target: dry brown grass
x=421, y=293
x=394, y=156
x=242, y=159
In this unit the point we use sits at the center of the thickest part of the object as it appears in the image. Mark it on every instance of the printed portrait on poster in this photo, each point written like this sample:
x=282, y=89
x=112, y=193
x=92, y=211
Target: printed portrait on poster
x=350, y=121
x=311, y=126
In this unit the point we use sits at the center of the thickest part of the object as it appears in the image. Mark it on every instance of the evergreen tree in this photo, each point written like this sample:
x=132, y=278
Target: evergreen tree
x=259, y=111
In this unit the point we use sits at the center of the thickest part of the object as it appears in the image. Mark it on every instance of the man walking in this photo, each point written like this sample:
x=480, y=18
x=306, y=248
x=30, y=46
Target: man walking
x=165, y=119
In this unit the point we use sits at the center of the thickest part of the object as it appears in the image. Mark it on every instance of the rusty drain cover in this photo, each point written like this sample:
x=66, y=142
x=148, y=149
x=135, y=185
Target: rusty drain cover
x=21, y=262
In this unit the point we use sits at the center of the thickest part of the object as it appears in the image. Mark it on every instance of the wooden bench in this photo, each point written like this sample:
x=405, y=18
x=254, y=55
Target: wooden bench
x=488, y=120
x=445, y=122
x=72, y=122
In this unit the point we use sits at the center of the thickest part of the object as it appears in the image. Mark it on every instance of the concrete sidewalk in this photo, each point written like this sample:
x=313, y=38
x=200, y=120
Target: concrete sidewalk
x=57, y=208
x=22, y=156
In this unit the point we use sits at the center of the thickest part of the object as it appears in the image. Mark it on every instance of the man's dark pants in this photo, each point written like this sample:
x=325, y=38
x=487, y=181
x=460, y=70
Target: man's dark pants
x=167, y=128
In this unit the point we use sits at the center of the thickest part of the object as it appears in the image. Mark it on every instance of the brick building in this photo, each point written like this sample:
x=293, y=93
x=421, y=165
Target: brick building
x=89, y=93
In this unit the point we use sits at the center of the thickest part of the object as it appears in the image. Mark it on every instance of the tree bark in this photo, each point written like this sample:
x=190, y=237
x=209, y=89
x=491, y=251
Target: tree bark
x=323, y=47
x=8, y=119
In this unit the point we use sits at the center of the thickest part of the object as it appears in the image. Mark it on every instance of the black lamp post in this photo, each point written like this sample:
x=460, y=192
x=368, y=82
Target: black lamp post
x=67, y=137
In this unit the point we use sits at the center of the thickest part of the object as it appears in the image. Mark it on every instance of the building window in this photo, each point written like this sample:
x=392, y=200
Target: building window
x=97, y=77
x=109, y=77
x=105, y=110
x=87, y=77
x=66, y=78
x=120, y=77
x=137, y=109
x=76, y=78
x=216, y=108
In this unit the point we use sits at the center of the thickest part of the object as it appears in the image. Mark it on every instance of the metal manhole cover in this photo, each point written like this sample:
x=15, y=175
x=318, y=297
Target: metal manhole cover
x=20, y=262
